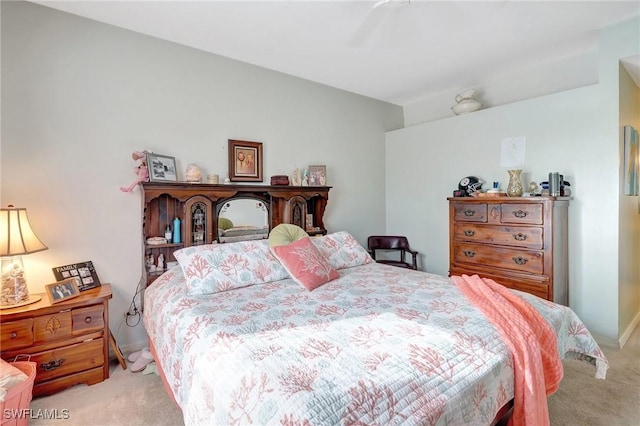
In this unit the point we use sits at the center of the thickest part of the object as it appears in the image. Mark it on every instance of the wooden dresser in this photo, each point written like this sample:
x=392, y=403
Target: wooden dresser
x=519, y=242
x=68, y=341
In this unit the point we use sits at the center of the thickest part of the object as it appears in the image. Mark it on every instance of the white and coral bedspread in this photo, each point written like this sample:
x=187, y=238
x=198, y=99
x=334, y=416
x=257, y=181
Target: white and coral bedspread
x=380, y=345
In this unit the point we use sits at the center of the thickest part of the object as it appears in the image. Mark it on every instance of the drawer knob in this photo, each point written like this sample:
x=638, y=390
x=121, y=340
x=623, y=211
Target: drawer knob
x=87, y=320
x=469, y=213
x=519, y=260
x=520, y=236
x=469, y=233
x=52, y=365
x=520, y=213
x=469, y=253
x=13, y=335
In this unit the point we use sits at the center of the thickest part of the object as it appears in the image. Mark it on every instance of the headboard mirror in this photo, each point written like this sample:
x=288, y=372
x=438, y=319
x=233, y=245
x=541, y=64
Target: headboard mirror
x=241, y=219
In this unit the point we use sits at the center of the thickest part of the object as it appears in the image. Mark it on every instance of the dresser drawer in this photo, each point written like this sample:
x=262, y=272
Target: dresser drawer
x=17, y=334
x=87, y=319
x=522, y=213
x=527, y=237
x=68, y=360
x=47, y=328
x=470, y=212
x=507, y=258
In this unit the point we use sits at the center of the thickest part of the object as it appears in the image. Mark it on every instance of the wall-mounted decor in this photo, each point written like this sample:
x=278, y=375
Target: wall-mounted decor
x=631, y=161
x=162, y=168
x=84, y=271
x=317, y=175
x=63, y=290
x=245, y=161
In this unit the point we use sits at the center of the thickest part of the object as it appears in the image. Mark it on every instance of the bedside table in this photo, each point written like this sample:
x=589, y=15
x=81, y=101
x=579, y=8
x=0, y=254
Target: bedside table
x=68, y=341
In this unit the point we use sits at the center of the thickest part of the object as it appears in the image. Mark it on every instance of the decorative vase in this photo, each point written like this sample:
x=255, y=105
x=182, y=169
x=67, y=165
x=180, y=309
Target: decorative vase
x=514, y=189
x=466, y=103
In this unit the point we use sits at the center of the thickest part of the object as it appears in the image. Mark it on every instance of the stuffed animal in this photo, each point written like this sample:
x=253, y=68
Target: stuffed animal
x=142, y=171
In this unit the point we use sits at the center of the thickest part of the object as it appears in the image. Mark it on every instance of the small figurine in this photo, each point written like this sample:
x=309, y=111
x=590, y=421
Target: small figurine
x=296, y=180
x=533, y=188
x=142, y=171
x=305, y=178
x=160, y=266
x=150, y=263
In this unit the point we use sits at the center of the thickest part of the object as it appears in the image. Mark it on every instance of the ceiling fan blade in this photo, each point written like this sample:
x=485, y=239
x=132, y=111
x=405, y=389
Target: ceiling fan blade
x=371, y=22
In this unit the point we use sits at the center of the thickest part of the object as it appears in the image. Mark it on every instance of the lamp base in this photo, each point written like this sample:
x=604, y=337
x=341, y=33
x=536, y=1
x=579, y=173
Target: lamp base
x=32, y=299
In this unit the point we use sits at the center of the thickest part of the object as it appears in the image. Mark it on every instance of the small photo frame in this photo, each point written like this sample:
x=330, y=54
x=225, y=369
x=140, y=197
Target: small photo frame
x=245, y=161
x=317, y=175
x=162, y=168
x=83, y=271
x=62, y=290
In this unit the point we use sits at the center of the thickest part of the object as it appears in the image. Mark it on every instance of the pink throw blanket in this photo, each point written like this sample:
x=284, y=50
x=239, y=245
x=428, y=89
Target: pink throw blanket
x=532, y=341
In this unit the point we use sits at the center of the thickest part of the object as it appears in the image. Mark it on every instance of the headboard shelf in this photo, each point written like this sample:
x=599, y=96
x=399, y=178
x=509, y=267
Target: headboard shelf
x=198, y=205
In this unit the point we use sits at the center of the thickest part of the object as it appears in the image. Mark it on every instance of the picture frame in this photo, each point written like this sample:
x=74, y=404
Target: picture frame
x=162, y=168
x=631, y=161
x=85, y=272
x=245, y=161
x=63, y=290
x=317, y=175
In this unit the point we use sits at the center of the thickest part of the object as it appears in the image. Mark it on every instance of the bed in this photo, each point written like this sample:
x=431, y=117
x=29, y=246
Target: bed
x=238, y=341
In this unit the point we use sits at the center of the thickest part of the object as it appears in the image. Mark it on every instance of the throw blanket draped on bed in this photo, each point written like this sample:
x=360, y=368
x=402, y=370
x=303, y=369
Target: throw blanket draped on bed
x=532, y=341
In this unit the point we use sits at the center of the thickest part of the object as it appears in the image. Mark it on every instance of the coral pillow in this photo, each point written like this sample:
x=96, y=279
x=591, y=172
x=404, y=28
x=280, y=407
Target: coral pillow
x=305, y=264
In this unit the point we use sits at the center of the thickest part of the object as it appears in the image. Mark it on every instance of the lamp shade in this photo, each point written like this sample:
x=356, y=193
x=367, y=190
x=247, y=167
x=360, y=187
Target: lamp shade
x=16, y=236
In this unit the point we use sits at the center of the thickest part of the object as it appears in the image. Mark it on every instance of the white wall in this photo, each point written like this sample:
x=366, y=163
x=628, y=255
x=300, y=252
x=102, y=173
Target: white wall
x=78, y=97
x=574, y=132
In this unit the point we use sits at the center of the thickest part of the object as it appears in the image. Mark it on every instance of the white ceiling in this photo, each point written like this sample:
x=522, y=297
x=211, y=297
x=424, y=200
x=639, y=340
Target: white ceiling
x=399, y=52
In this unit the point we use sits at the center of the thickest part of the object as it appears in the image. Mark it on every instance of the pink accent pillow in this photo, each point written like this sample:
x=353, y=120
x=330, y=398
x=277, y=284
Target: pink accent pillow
x=305, y=264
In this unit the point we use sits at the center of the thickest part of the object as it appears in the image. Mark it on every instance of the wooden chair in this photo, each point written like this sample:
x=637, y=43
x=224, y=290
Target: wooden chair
x=397, y=244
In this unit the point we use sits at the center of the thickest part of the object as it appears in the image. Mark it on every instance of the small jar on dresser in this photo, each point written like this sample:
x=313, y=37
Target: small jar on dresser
x=519, y=242
x=68, y=341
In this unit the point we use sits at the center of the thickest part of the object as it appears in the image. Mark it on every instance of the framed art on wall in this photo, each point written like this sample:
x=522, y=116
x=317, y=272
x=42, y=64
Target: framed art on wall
x=631, y=160
x=245, y=161
x=84, y=271
x=162, y=168
x=63, y=290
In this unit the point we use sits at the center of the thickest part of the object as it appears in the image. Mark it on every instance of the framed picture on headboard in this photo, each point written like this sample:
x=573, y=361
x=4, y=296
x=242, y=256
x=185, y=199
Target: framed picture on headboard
x=245, y=161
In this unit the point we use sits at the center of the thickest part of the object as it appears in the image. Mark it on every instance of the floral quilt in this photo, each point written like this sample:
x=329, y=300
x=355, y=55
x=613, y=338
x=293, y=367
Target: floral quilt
x=377, y=346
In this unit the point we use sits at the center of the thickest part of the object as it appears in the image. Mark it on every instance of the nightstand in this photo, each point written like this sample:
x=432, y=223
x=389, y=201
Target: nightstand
x=68, y=341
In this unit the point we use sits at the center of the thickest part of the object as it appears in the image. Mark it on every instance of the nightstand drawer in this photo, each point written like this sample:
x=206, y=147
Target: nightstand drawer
x=528, y=237
x=56, y=326
x=68, y=359
x=522, y=213
x=506, y=258
x=87, y=319
x=17, y=334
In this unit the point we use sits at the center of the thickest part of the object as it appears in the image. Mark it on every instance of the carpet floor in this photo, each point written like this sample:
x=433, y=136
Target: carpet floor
x=139, y=399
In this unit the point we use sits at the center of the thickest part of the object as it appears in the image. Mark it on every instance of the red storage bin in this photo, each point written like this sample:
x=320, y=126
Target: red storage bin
x=18, y=397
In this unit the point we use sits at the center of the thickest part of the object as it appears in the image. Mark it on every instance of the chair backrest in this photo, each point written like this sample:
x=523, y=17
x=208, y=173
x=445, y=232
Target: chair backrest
x=392, y=242
x=387, y=242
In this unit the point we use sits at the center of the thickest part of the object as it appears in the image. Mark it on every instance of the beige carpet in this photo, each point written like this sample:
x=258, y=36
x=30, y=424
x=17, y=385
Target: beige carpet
x=138, y=399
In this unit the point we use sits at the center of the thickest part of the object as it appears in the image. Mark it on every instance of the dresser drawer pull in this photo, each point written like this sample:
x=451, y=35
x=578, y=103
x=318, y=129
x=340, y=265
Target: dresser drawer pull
x=520, y=213
x=469, y=253
x=520, y=236
x=469, y=233
x=469, y=213
x=519, y=260
x=87, y=320
x=52, y=365
x=13, y=335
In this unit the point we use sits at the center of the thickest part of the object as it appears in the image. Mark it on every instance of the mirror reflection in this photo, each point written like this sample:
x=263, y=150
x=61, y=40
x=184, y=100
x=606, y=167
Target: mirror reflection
x=243, y=219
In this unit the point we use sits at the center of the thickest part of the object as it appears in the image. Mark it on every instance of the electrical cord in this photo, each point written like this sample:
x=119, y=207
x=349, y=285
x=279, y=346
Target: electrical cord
x=134, y=315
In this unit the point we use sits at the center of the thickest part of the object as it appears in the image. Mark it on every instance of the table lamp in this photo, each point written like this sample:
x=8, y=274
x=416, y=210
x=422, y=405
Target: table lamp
x=16, y=239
